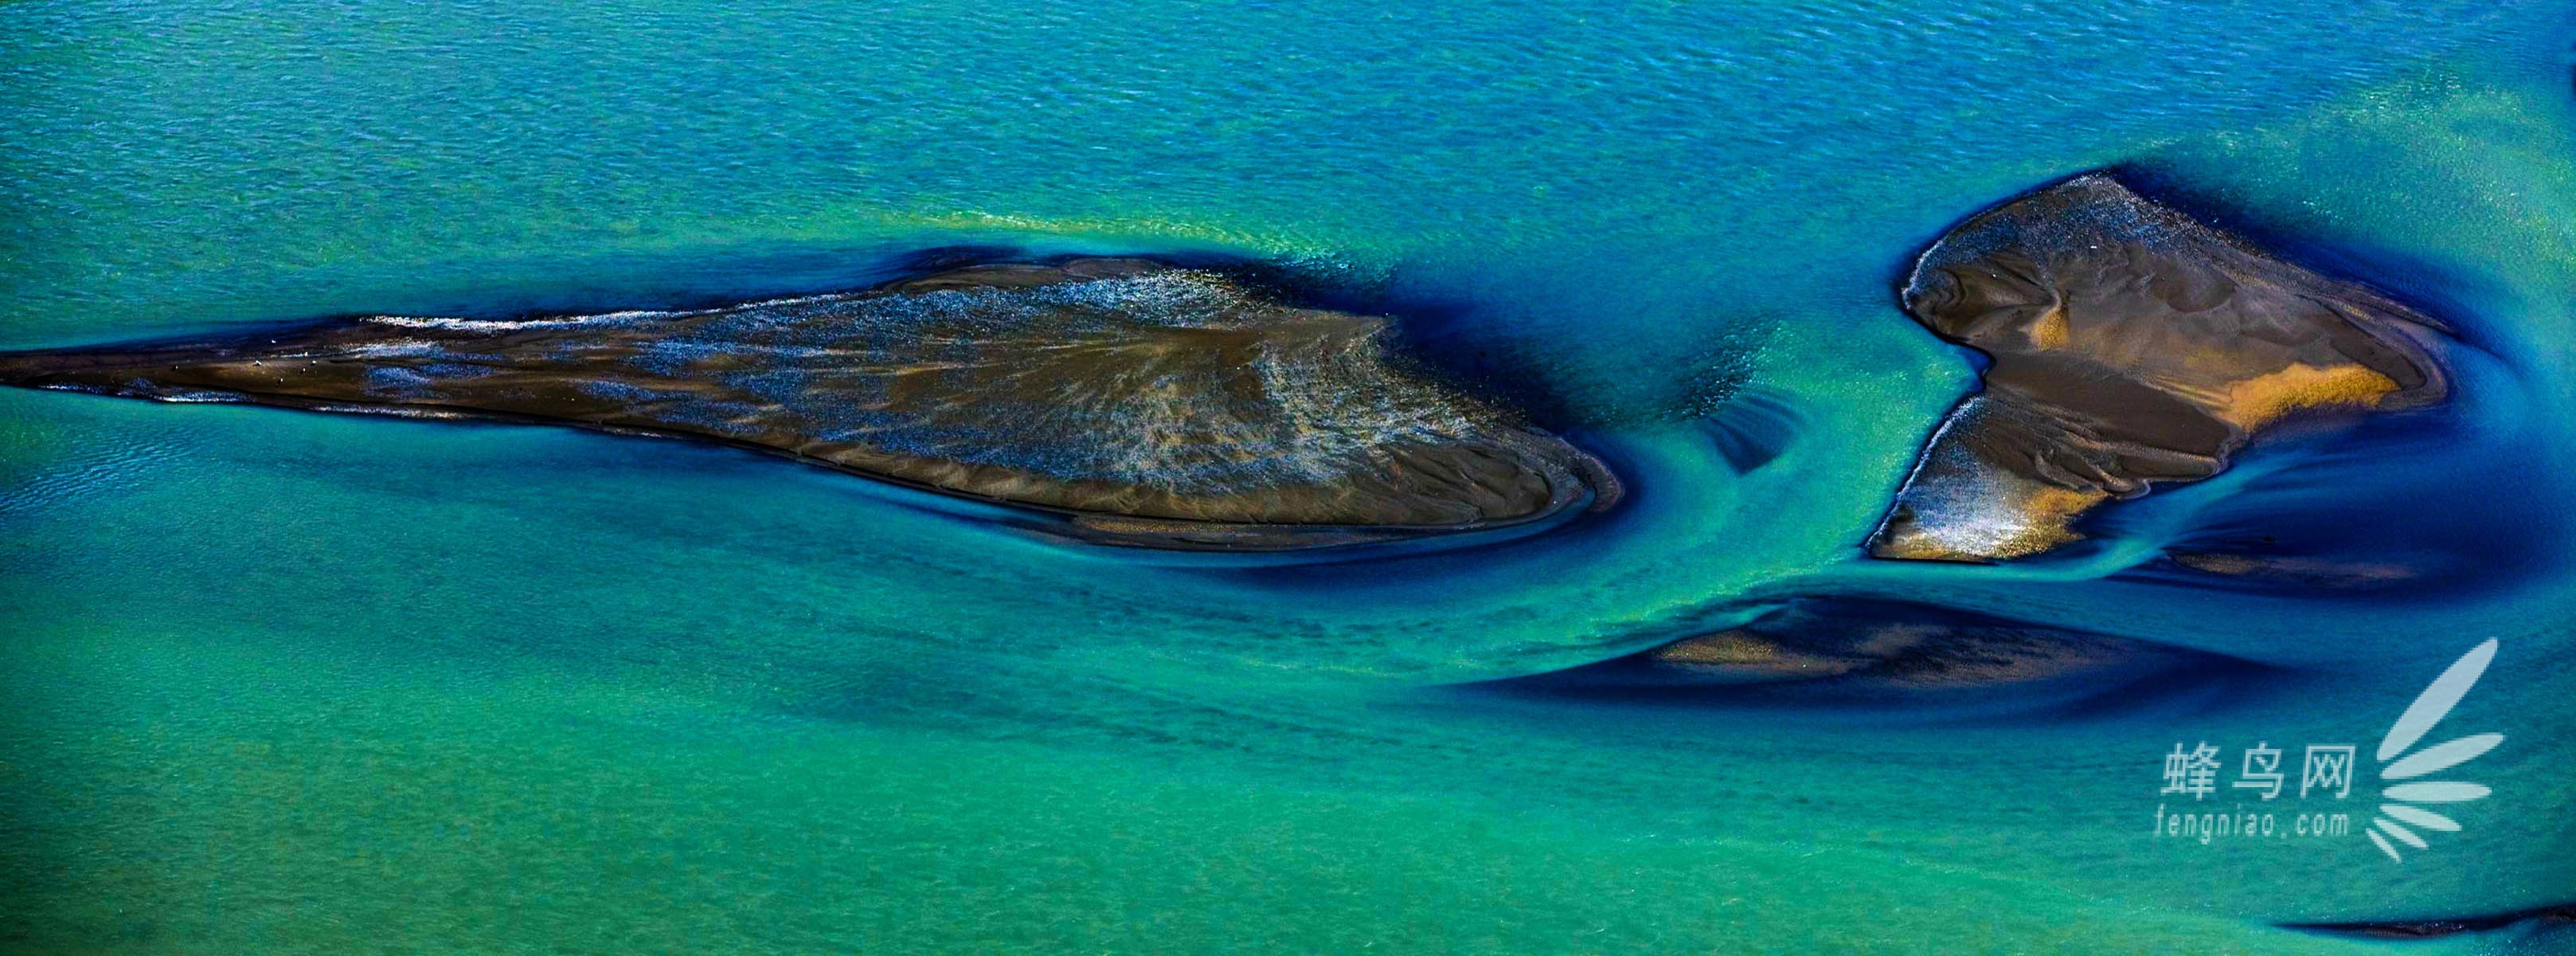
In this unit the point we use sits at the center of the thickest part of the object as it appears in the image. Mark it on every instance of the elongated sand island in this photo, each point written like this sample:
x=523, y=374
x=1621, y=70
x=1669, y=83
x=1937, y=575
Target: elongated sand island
x=1127, y=401
x=1827, y=647
x=2131, y=346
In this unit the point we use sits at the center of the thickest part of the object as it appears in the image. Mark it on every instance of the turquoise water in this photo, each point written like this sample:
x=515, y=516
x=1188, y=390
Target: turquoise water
x=287, y=682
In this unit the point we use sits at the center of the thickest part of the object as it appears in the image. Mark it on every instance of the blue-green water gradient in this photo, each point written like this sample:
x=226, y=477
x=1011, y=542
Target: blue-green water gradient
x=288, y=682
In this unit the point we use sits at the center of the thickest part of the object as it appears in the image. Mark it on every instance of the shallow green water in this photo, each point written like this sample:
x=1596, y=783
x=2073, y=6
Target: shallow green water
x=286, y=682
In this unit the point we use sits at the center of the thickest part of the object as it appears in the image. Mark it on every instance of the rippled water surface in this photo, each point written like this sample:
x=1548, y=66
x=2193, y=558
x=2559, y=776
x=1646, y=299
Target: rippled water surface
x=289, y=682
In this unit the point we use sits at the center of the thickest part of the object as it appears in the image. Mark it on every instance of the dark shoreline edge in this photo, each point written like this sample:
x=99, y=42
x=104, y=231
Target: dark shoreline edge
x=2561, y=914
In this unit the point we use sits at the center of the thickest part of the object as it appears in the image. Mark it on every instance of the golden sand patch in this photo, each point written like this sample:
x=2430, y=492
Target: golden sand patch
x=2255, y=402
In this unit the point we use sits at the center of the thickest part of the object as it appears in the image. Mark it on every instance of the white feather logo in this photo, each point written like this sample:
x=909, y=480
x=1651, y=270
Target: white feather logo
x=2398, y=769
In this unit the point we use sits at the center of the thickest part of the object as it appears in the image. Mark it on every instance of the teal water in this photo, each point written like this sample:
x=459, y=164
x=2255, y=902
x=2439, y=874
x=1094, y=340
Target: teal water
x=285, y=682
